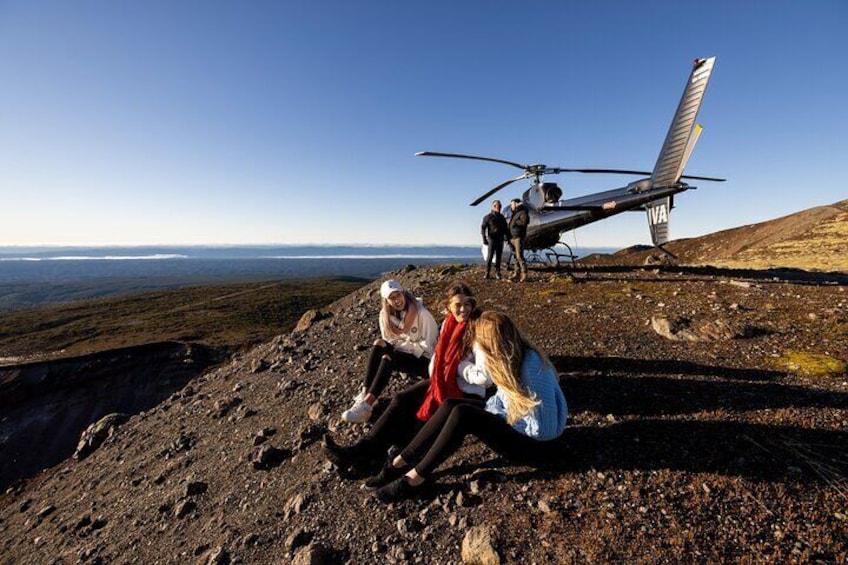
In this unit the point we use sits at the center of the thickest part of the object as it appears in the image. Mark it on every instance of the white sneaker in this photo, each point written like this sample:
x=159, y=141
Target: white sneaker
x=359, y=413
x=360, y=397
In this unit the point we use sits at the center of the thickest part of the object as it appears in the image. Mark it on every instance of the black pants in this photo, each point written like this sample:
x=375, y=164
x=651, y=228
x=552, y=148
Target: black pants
x=495, y=250
x=386, y=358
x=517, y=245
x=398, y=423
x=442, y=435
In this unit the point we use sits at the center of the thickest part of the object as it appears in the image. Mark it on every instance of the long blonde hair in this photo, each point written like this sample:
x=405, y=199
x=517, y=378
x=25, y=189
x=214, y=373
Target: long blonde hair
x=504, y=347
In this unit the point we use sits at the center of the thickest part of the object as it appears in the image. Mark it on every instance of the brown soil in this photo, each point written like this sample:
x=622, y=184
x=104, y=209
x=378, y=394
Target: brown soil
x=676, y=452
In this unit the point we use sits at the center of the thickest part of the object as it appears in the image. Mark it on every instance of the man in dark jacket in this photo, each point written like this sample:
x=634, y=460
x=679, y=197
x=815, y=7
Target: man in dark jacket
x=517, y=232
x=494, y=230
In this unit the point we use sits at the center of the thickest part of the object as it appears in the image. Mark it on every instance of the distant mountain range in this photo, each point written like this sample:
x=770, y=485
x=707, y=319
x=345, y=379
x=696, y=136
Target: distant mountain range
x=813, y=240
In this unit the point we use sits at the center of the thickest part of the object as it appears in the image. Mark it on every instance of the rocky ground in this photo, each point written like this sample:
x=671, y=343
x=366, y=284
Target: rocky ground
x=721, y=440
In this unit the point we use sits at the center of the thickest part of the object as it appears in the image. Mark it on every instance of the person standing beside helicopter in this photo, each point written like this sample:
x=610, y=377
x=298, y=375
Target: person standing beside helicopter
x=494, y=231
x=517, y=232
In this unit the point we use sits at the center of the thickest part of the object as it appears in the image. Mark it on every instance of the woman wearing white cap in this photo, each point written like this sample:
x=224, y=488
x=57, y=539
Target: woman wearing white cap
x=409, y=336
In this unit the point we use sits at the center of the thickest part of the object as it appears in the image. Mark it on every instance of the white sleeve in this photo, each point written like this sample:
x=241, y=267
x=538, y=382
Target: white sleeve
x=473, y=368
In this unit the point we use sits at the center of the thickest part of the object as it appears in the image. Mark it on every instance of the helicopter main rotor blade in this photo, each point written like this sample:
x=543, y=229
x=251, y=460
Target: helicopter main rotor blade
x=474, y=157
x=608, y=171
x=497, y=188
x=702, y=178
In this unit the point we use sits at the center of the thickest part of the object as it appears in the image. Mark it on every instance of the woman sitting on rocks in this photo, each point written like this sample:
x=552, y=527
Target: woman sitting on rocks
x=453, y=374
x=409, y=335
x=519, y=422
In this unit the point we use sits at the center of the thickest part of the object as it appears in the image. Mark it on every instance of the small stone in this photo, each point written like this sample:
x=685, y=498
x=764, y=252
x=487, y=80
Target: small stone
x=544, y=507
x=295, y=505
x=83, y=522
x=477, y=547
x=316, y=411
x=312, y=554
x=249, y=539
x=46, y=511
x=298, y=538
x=185, y=508
x=195, y=488
x=218, y=556
x=268, y=457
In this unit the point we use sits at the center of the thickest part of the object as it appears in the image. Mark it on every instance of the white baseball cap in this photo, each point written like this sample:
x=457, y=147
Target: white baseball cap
x=388, y=287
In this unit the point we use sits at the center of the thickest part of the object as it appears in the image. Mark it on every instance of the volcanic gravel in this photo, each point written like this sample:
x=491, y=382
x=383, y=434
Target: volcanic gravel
x=718, y=450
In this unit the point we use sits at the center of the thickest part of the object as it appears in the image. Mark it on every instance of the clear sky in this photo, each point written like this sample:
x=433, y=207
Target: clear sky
x=192, y=122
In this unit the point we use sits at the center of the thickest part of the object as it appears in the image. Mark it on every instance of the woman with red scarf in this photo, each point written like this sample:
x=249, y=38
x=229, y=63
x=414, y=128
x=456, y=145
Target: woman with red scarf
x=411, y=408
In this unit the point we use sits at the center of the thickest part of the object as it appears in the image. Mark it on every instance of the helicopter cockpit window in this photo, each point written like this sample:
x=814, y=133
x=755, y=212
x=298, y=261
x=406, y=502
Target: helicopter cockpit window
x=552, y=192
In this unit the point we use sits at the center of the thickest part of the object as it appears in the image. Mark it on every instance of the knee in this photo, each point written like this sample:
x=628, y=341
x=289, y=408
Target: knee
x=379, y=343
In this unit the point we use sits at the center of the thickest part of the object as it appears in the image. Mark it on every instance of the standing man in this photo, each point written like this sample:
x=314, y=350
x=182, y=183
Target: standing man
x=517, y=232
x=494, y=230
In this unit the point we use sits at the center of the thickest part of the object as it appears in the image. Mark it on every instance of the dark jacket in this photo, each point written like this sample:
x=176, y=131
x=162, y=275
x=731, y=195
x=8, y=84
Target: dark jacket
x=518, y=222
x=494, y=227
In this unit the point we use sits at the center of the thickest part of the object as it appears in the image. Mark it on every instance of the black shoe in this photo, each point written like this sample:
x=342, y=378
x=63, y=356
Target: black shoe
x=386, y=475
x=342, y=457
x=398, y=489
x=487, y=276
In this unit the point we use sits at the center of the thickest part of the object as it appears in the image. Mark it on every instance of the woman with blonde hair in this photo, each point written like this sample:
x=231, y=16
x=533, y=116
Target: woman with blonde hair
x=409, y=335
x=526, y=413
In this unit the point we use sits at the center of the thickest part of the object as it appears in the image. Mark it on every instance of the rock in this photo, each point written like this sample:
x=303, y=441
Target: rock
x=46, y=511
x=298, y=538
x=249, y=539
x=313, y=554
x=675, y=330
x=268, y=457
x=83, y=522
x=217, y=556
x=477, y=547
x=316, y=411
x=259, y=365
x=295, y=505
x=94, y=436
x=185, y=508
x=683, y=329
x=195, y=488
x=309, y=318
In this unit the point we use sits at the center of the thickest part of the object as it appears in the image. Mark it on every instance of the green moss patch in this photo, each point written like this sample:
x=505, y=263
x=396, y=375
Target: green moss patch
x=812, y=364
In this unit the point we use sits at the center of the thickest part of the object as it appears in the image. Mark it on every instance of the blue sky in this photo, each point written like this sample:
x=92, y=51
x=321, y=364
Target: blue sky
x=195, y=122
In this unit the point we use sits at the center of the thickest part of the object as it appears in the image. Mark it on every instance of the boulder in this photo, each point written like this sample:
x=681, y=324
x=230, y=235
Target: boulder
x=477, y=547
x=98, y=432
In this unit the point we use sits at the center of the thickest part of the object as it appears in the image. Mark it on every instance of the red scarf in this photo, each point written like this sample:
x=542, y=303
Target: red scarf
x=446, y=359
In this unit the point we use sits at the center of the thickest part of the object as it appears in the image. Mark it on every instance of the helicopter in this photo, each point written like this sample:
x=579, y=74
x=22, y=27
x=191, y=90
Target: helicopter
x=550, y=216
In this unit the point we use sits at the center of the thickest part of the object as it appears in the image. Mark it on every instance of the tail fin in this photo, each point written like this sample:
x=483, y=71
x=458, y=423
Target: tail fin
x=658, y=212
x=683, y=133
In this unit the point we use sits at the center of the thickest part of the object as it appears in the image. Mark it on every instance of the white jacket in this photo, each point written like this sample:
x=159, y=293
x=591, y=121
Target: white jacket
x=421, y=337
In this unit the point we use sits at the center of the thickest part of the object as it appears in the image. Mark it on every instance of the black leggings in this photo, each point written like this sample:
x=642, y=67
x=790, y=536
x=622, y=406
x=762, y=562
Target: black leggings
x=398, y=424
x=442, y=435
x=386, y=358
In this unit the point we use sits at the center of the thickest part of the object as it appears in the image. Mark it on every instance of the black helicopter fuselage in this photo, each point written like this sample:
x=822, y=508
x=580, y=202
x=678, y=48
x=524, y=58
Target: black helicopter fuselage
x=549, y=220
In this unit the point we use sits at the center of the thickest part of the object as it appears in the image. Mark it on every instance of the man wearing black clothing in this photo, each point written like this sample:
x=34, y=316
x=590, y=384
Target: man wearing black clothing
x=517, y=232
x=494, y=230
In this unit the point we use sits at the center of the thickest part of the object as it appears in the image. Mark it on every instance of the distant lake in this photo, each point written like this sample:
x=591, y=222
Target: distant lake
x=33, y=275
